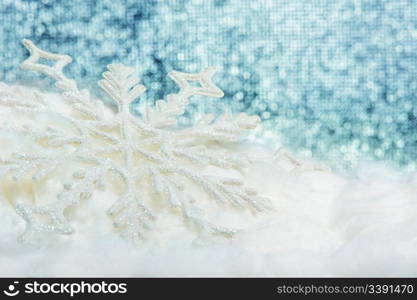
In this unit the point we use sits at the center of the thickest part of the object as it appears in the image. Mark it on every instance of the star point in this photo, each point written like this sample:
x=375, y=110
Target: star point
x=34, y=220
x=204, y=78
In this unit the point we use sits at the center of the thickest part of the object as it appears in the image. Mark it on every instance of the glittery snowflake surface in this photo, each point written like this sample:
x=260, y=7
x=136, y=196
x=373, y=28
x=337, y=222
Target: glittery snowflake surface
x=331, y=79
x=156, y=160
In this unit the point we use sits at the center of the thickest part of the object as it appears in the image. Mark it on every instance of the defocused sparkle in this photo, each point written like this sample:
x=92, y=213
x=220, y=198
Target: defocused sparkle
x=335, y=79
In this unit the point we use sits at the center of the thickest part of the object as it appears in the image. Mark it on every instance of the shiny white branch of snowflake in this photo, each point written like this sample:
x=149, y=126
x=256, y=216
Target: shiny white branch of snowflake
x=153, y=150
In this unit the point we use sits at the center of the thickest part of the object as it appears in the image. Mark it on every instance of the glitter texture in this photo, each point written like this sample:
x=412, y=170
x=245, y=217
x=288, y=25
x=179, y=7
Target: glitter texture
x=332, y=79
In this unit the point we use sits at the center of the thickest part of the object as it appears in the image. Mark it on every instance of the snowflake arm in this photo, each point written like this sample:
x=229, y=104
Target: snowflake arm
x=156, y=163
x=120, y=84
x=32, y=63
x=56, y=222
x=204, y=78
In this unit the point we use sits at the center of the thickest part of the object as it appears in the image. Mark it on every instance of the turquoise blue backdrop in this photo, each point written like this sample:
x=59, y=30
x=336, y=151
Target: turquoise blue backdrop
x=332, y=79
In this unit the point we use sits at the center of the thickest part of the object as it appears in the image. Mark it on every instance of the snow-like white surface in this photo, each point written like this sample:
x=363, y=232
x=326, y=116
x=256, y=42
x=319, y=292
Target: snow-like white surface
x=323, y=224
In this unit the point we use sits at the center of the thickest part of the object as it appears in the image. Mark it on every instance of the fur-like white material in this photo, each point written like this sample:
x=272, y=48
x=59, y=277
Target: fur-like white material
x=324, y=224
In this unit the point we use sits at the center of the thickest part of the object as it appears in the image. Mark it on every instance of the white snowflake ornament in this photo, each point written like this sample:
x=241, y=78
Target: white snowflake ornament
x=156, y=161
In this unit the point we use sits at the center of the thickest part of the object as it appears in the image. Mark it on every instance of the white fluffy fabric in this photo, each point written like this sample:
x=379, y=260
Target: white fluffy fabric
x=323, y=224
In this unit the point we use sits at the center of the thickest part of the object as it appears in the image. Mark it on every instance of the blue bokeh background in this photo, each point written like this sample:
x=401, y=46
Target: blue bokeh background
x=332, y=79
